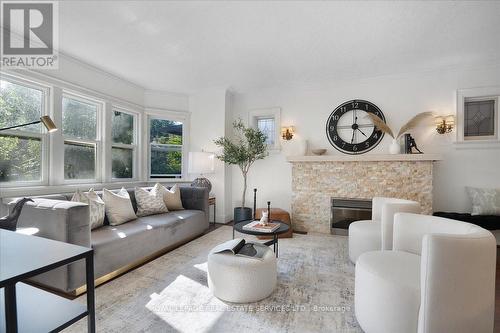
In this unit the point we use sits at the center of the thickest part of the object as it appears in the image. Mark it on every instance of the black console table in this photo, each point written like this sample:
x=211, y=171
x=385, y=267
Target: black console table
x=24, y=308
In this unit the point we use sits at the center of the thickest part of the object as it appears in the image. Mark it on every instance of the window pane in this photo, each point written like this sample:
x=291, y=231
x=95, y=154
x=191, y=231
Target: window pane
x=79, y=119
x=79, y=161
x=166, y=131
x=479, y=118
x=266, y=126
x=20, y=159
x=122, y=128
x=166, y=160
x=19, y=105
x=122, y=162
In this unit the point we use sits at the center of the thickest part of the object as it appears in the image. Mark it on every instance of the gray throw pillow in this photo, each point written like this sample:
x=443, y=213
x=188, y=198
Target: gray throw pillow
x=149, y=203
x=96, y=206
x=485, y=201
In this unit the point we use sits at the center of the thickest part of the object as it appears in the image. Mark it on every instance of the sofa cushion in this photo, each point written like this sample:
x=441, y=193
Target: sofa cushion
x=171, y=197
x=118, y=207
x=150, y=202
x=121, y=245
x=387, y=291
x=485, y=201
x=96, y=206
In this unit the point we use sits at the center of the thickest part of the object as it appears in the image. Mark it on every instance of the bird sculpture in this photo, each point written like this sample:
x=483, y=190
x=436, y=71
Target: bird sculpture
x=9, y=222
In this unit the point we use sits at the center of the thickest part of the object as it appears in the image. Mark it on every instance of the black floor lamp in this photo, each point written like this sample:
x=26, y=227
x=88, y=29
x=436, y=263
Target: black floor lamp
x=45, y=120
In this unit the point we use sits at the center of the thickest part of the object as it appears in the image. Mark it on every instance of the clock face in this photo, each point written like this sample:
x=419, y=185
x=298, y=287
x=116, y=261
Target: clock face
x=350, y=130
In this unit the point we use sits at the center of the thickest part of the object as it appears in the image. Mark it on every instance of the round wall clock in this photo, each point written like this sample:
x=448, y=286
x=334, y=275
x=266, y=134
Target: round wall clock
x=350, y=130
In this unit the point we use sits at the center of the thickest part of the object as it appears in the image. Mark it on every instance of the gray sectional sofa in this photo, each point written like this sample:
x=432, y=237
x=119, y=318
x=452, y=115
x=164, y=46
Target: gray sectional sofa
x=116, y=248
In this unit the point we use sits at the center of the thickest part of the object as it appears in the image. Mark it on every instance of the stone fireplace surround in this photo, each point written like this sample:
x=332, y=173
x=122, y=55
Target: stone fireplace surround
x=316, y=179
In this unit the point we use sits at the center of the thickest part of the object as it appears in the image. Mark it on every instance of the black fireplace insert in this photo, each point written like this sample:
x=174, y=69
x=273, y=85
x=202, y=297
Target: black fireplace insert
x=344, y=211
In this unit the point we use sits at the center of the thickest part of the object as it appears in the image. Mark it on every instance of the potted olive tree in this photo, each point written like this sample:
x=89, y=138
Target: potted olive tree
x=248, y=146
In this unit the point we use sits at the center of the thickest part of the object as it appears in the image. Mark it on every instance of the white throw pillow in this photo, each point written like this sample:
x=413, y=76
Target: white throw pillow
x=150, y=202
x=172, y=197
x=118, y=206
x=96, y=206
x=485, y=201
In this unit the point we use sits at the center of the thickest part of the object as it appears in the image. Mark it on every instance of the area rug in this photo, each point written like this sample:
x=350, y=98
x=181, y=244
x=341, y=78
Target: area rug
x=315, y=292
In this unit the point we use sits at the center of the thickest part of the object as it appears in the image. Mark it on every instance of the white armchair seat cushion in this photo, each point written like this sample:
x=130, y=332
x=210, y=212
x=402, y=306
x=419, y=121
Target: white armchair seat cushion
x=364, y=236
x=440, y=277
x=241, y=279
x=387, y=291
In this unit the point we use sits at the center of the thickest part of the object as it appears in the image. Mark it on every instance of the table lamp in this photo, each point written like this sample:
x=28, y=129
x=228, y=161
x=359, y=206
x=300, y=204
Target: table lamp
x=201, y=163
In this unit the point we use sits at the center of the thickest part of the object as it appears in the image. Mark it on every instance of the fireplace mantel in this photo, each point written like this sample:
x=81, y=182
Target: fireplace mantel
x=365, y=157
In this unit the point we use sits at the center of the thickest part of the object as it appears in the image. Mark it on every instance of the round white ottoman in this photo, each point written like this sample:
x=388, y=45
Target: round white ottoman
x=364, y=236
x=239, y=279
x=387, y=291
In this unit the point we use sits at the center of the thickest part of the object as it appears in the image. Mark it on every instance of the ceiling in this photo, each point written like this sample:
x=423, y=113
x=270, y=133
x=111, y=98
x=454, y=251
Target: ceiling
x=188, y=46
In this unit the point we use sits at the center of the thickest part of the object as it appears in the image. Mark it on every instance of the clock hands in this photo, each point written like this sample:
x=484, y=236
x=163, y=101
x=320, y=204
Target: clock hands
x=354, y=127
x=362, y=132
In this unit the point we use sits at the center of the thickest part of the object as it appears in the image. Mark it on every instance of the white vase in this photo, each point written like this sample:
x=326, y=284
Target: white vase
x=394, y=148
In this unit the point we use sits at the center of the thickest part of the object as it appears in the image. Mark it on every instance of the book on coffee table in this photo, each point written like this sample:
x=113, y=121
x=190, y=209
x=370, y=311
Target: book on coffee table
x=239, y=247
x=258, y=226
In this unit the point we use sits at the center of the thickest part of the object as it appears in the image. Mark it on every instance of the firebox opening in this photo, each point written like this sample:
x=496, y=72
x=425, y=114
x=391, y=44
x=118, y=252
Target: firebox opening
x=344, y=211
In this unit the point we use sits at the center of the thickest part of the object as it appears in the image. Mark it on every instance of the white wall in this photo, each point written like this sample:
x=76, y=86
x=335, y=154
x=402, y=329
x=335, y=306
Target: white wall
x=79, y=73
x=166, y=100
x=209, y=111
x=307, y=106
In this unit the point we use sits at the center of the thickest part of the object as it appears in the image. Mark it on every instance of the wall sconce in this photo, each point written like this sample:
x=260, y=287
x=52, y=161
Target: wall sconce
x=445, y=124
x=287, y=132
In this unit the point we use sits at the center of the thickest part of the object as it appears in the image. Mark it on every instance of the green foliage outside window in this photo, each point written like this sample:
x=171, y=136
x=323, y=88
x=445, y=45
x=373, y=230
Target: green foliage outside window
x=79, y=161
x=20, y=157
x=166, y=132
x=166, y=147
x=79, y=119
x=121, y=162
x=122, y=128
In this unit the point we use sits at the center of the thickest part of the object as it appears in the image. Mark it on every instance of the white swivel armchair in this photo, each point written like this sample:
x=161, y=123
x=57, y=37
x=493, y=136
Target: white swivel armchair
x=439, y=278
x=376, y=234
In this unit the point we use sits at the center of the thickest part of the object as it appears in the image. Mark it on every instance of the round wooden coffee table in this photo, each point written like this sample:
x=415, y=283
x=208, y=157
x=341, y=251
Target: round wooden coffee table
x=274, y=242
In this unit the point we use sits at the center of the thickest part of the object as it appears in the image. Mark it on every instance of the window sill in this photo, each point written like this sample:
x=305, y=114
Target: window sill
x=8, y=192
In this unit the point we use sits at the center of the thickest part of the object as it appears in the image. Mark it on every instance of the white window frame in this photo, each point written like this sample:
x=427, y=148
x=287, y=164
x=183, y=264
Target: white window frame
x=183, y=117
x=44, y=139
x=477, y=94
x=52, y=164
x=274, y=113
x=134, y=146
x=97, y=142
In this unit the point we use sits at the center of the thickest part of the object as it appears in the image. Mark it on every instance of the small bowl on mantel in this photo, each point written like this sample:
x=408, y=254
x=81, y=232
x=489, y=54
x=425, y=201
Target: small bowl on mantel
x=318, y=152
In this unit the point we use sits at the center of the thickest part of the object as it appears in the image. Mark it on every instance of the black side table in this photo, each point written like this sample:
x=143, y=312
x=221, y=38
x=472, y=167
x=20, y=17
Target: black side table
x=24, y=308
x=281, y=230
